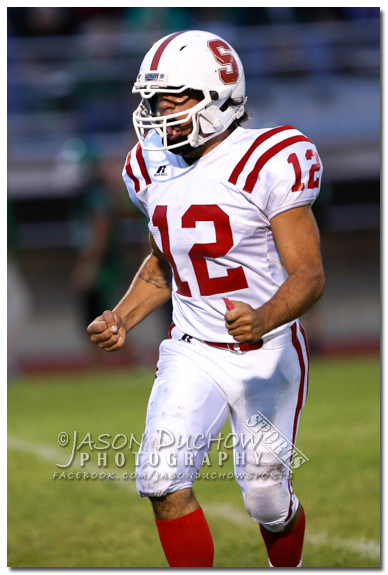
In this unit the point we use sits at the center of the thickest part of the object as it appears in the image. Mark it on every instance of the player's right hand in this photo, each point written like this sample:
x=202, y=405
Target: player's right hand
x=107, y=331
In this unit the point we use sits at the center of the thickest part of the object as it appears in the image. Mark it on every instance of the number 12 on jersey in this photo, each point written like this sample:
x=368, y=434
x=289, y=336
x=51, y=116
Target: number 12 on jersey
x=316, y=166
x=235, y=278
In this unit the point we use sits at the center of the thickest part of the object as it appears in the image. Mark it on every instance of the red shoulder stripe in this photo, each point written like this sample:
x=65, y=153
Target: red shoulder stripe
x=130, y=173
x=252, y=177
x=241, y=165
x=161, y=49
x=143, y=168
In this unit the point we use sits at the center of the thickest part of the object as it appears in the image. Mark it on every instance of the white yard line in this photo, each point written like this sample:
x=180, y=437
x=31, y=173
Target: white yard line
x=359, y=546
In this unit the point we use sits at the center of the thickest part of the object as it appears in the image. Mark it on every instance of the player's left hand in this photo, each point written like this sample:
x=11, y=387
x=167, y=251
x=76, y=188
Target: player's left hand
x=244, y=323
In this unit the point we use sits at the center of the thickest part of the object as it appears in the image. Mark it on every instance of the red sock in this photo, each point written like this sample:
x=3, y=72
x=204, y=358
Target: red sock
x=187, y=541
x=285, y=548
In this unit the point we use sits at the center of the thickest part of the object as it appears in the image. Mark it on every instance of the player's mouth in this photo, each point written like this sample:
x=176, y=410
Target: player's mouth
x=174, y=133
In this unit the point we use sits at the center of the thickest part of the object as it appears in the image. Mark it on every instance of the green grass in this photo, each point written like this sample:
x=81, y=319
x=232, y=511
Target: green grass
x=103, y=523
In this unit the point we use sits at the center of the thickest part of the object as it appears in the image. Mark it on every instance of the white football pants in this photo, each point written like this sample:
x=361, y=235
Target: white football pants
x=196, y=388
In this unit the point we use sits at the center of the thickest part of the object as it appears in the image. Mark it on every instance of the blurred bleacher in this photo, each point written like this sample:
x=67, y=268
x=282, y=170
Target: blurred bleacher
x=70, y=74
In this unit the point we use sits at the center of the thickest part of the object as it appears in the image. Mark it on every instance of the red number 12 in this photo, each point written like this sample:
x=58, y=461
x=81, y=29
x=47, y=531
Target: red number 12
x=234, y=279
x=312, y=183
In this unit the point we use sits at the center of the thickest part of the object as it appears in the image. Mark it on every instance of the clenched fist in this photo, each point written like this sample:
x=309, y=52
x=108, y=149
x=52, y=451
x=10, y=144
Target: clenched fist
x=244, y=323
x=107, y=331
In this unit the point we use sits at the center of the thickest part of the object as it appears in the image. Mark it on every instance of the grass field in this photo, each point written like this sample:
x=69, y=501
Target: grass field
x=103, y=523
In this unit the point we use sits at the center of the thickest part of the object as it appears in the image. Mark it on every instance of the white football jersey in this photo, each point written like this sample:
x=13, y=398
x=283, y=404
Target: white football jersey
x=212, y=218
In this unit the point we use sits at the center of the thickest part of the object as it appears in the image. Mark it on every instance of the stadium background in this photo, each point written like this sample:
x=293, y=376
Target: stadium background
x=70, y=73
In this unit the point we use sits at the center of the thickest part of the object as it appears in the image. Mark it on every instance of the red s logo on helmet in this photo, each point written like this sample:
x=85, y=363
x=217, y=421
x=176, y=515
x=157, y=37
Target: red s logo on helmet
x=222, y=53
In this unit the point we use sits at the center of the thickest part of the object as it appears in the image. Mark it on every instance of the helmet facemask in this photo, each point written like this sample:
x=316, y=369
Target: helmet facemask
x=146, y=118
x=208, y=120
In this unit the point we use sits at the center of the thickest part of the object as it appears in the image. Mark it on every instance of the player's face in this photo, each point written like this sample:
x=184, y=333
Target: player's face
x=166, y=104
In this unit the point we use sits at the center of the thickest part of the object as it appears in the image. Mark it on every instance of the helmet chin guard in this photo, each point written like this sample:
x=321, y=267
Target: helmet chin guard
x=194, y=60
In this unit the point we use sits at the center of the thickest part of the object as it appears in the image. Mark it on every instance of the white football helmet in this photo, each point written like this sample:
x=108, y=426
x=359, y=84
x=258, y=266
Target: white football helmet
x=194, y=60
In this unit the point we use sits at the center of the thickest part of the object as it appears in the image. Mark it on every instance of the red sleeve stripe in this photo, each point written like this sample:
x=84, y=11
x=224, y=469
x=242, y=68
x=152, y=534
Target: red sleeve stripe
x=130, y=173
x=241, y=165
x=268, y=155
x=143, y=168
x=160, y=50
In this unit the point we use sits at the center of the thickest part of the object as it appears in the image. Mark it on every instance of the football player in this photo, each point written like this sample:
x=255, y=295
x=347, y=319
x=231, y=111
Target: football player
x=235, y=244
